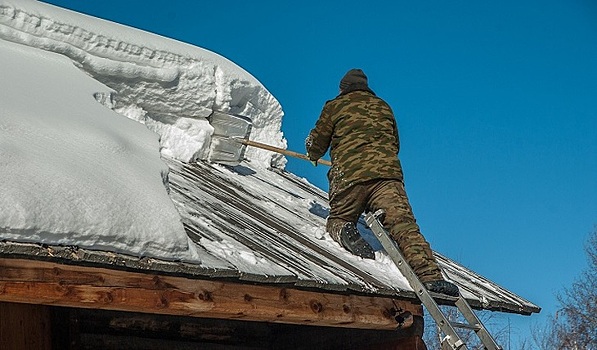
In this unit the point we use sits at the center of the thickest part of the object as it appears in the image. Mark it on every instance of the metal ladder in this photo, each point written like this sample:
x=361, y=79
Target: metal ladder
x=451, y=340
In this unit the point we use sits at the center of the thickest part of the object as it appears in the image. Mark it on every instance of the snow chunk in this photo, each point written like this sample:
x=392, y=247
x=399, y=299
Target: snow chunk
x=165, y=79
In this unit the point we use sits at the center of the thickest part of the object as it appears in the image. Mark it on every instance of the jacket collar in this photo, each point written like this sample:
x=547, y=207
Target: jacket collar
x=357, y=87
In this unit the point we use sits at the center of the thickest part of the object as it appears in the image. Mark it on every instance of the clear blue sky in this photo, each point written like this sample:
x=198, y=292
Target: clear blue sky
x=496, y=105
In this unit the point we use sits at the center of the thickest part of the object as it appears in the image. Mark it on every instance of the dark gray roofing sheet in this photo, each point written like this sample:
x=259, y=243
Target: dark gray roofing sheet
x=281, y=218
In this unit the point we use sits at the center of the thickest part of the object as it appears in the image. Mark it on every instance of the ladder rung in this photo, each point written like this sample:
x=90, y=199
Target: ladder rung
x=465, y=326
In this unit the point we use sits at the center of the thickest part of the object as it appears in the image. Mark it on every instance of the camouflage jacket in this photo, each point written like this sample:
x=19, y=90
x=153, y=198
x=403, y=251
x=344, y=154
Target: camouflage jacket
x=361, y=130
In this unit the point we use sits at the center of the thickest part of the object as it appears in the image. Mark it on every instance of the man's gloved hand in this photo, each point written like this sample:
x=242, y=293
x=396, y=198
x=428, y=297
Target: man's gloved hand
x=314, y=162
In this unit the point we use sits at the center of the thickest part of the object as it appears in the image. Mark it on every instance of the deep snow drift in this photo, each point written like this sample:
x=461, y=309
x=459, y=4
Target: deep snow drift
x=75, y=172
x=168, y=85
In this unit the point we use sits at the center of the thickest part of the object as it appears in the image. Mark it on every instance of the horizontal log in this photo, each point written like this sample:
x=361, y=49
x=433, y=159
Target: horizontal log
x=48, y=283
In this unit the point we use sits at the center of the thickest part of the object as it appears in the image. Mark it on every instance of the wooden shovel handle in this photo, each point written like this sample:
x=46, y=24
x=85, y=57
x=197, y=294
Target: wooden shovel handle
x=282, y=151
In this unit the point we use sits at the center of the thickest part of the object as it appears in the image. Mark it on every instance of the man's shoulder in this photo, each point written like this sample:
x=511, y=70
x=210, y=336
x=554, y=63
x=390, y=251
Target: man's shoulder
x=338, y=101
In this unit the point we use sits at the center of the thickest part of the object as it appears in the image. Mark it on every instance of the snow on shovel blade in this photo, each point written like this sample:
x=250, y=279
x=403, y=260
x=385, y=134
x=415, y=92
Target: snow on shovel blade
x=228, y=129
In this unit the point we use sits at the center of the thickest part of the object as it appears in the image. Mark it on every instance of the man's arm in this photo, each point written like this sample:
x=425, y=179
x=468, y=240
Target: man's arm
x=396, y=135
x=318, y=141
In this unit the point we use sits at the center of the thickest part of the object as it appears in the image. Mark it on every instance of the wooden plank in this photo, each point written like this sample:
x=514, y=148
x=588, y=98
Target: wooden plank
x=48, y=283
x=24, y=326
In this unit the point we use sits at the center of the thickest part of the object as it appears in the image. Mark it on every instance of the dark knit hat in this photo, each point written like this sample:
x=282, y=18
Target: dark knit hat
x=352, y=77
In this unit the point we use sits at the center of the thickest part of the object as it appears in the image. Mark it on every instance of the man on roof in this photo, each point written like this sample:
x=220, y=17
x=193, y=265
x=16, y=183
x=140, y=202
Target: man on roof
x=360, y=130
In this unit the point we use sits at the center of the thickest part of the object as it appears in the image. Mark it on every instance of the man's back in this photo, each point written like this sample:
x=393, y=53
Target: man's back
x=360, y=129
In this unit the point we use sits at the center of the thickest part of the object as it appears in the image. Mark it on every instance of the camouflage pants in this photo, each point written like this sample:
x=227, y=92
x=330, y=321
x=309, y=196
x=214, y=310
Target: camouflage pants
x=389, y=195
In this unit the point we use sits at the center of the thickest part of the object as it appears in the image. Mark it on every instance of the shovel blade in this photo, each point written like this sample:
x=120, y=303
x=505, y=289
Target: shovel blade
x=228, y=128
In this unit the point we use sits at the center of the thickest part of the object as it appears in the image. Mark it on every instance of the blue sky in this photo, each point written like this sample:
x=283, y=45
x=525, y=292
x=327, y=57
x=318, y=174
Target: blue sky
x=495, y=101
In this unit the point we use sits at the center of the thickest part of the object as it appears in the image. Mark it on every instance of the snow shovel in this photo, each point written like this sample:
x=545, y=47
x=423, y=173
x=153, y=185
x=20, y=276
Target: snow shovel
x=231, y=138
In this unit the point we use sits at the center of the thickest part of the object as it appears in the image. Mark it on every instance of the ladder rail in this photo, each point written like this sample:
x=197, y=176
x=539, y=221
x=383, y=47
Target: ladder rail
x=472, y=319
x=452, y=340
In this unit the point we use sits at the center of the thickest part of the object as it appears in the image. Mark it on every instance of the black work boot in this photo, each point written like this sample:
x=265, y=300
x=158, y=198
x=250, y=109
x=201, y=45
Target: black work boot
x=442, y=287
x=351, y=240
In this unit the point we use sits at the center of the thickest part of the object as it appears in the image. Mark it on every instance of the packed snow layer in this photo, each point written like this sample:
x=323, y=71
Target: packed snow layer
x=75, y=172
x=170, y=86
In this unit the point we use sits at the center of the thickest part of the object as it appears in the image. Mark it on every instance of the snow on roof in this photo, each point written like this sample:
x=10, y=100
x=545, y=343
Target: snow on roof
x=61, y=148
x=170, y=86
x=76, y=173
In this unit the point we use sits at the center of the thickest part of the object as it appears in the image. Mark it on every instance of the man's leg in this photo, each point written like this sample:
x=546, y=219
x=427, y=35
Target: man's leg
x=390, y=196
x=345, y=210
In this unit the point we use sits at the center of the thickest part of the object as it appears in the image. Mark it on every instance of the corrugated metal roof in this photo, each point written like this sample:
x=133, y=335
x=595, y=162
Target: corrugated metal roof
x=277, y=215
